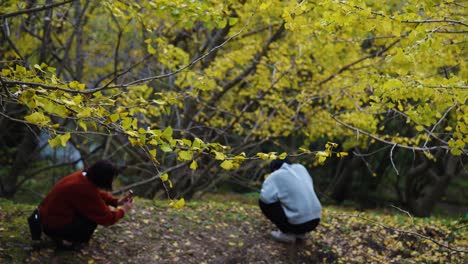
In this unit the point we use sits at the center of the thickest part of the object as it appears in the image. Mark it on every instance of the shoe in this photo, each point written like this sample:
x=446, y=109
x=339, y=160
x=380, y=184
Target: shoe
x=64, y=245
x=283, y=237
x=301, y=236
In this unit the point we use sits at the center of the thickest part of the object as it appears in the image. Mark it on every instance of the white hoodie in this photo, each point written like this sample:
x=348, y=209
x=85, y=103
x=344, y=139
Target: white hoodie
x=293, y=187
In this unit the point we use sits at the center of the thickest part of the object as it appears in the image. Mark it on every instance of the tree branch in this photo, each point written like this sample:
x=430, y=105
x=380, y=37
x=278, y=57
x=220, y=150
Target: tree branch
x=435, y=21
x=438, y=122
x=33, y=10
x=146, y=181
x=6, y=31
x=348, y=66
x=136, y=82
x=386, y=141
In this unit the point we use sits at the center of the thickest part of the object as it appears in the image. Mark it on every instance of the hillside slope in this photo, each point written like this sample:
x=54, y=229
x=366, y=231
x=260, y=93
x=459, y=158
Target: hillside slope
x=232, y=230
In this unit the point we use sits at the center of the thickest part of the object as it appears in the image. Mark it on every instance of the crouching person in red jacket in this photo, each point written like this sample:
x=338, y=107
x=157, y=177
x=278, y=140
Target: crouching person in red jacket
x=78, y=203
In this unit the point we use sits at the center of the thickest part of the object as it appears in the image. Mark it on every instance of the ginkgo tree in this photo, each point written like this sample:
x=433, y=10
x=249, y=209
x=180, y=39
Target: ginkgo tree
x=193, y=89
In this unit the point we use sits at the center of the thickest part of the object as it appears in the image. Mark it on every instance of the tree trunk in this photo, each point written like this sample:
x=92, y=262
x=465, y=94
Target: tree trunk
x=24, y=154
x=426, y=189
x=343, y=180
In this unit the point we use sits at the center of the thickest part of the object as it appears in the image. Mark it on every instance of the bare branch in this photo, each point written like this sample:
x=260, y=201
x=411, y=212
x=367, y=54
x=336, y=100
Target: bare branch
x=386, y=141
x=36, y=172
x=406, y=212
x=348, y=66
x=438, y=122
x=13, y=119
x=435, y=21
x=146, y=181
x=391, y=159
x=451, y=31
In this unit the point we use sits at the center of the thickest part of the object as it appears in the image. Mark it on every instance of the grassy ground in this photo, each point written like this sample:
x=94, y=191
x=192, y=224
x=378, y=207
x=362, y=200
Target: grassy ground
x=231, y=229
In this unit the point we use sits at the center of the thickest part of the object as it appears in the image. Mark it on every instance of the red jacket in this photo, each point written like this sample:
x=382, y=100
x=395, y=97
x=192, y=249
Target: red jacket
x=73, y=195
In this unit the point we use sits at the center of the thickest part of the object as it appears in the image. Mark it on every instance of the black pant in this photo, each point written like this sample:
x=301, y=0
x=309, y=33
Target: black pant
x=79, y=230
x=276, y=214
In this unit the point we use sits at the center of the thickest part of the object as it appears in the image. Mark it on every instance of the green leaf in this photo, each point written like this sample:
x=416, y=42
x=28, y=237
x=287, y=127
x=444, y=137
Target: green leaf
x=167, y=133
x=233, y=21
x=198, y=143
x=165, y=147
x=392, y=84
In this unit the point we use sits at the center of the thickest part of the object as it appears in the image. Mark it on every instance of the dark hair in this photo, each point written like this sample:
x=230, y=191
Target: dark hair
x=102, y=174
x=277, y=163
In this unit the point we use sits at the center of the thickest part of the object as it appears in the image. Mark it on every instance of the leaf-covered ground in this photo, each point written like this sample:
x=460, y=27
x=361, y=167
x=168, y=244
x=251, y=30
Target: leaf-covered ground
x=229, y=229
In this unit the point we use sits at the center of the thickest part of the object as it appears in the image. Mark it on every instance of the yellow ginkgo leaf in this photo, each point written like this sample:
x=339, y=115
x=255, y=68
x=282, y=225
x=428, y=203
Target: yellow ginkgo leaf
x=59, y=140
x=219, y=155
x=193, y=165
x=227, y=164
x=164, y=177
x=178, y=204
x=37, y=118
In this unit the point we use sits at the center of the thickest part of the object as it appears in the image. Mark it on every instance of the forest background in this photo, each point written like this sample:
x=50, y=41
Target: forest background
x=190, y=97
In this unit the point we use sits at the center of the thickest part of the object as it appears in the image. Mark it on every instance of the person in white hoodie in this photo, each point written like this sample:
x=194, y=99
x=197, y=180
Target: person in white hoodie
x=289, y=201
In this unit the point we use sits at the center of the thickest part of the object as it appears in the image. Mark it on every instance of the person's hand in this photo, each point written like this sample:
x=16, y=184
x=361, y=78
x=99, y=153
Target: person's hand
x=128, y=206
x=127, y=198
x=124, y=200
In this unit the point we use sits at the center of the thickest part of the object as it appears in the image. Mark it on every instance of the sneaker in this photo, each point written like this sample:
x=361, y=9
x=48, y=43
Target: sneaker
x=64, y=245
x=283, y=237
x=301, y=236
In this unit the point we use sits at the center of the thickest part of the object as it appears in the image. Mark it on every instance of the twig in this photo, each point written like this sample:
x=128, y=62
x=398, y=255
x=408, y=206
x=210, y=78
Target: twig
x=406, y=212
x=369, y=154
x=425, y=129
x=391, y=159
x=438, y=122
